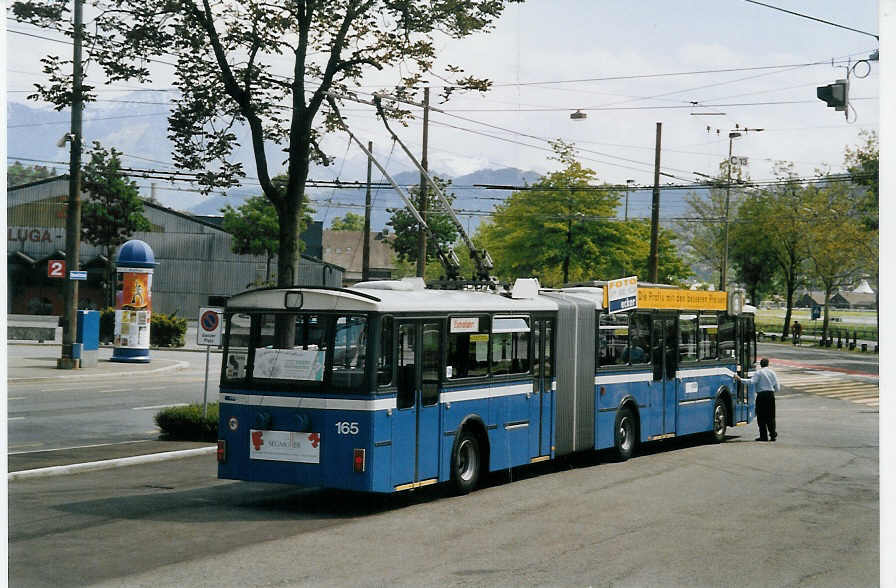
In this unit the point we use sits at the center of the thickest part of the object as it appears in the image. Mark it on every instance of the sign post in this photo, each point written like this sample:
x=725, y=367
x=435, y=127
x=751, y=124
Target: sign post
x=208, y=333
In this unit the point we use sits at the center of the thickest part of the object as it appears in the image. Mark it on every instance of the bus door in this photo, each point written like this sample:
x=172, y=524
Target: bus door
x=415, y=423
x=540, y=405
x=746, y=358
x=665, y=363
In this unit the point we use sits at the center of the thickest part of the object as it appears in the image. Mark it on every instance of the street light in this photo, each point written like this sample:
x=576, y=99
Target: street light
x=723, y=278
x=628, y=184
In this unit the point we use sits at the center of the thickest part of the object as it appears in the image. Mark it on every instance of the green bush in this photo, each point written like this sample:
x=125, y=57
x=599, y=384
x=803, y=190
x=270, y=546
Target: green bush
x=167, y=330
x=164, y=330
x=185, y=423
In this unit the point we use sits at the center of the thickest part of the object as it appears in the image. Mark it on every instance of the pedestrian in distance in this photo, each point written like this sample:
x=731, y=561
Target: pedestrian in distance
x=766, y=382
x=797, y=333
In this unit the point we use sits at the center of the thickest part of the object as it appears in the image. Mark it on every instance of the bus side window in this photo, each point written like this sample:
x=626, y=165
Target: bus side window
x=639, y=338
x=709, y=335
x=468, y=350
x=387, y=353
x=687, y=337
x=727, y=336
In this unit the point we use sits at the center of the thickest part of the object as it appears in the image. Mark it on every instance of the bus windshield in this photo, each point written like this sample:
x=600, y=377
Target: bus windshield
x=327, y=352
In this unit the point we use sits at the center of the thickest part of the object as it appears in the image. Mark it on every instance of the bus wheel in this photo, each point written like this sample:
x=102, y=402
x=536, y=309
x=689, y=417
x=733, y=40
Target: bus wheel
x=719, y=421
x=625, y=434
x=465, y=463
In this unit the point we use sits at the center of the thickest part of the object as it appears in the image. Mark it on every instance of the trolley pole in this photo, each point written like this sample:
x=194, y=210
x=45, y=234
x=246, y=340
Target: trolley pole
x=652, y=261
x=73, y=212
x=365, y=258
x=421, y=234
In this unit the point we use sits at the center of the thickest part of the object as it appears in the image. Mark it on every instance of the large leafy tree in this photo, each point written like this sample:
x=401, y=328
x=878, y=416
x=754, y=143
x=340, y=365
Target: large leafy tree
x=228, y=59
x=835, y=261
x=113, y=210
x=782, y=220
x=564, y=230
x=751, y=252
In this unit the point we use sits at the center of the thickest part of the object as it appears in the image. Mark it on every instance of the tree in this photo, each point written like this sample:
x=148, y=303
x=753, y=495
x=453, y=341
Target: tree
x=225, y=55
x=706, y=237
x=350, y=222
x=835, y=261
x=255, y=227
x=113, y=209
x=782, y=217
x=18, y=174
x=863, y=163
x=751, y=252
x=406, y=228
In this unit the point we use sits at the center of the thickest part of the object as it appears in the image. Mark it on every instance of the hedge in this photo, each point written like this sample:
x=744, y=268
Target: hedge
x=185, y=423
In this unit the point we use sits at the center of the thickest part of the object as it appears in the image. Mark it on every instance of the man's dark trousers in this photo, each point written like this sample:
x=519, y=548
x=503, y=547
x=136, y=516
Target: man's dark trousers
x=765, y=415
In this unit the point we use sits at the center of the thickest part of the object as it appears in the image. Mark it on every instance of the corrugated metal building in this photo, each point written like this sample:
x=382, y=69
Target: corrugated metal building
x=194, y=256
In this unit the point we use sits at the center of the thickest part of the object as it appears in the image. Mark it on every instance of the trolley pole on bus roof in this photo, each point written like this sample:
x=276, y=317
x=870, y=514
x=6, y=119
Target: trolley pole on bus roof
x=421, y=235
x=365, y=256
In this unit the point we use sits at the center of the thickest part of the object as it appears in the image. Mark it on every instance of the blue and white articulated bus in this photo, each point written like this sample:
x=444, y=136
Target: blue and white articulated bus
x=388, y=386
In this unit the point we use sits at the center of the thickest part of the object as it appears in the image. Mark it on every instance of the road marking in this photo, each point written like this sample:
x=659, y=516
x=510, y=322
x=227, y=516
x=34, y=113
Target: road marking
x=115, y=390
x=17, y=398
x=16, y=419
x=160, y=406
x=74, y=447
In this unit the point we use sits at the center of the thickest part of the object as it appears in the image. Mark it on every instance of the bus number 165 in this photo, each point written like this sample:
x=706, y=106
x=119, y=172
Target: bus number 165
x=346, y=428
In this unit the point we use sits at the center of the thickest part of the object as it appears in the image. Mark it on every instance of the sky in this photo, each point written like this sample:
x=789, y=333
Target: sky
x=550, y=58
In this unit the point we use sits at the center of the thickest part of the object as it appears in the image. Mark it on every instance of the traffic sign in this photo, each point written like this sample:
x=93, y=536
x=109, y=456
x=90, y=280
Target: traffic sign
x=56, y=268
x=77, y=275
x=208, y=330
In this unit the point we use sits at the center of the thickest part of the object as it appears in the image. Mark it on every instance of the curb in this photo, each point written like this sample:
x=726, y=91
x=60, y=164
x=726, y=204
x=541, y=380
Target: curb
x=92, y=466
x=177, y=365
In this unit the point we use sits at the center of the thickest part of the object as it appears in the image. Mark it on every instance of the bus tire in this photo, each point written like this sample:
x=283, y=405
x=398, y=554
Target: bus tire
x=625, y=434
x=719, y=421
x=466, y=463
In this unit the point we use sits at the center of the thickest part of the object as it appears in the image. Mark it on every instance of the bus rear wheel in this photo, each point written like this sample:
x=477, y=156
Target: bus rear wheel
x=719, y=421
x=625, y=434
x=465, y=463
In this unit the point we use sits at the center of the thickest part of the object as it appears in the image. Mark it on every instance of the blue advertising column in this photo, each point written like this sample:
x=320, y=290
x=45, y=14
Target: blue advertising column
x=133, y=308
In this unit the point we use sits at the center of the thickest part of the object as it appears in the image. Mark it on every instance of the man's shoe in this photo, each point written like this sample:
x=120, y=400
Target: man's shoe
x=760, y=439
x=774, y=437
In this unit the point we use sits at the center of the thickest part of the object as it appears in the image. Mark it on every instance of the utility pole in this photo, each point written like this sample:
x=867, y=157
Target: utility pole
x=652, y=261
x=628, y=184
x=421, y=234
x=73, y=213
x=365, y=263
x=723, y=277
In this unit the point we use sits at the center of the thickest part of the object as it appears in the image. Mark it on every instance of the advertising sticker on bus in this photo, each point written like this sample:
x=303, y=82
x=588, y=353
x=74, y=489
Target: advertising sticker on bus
x=622, y=294
x=284, y=446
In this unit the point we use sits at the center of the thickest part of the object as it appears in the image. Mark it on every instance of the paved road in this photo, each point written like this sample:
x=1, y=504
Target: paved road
x=98, y=406
x=799, y=512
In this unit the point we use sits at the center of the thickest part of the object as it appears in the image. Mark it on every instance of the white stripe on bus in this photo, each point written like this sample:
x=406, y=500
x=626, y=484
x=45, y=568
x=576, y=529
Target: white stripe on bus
x=481, y=393
x=311, y=403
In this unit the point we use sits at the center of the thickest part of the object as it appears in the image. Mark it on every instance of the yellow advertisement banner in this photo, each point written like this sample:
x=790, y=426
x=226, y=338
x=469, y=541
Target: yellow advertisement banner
x=682, y=299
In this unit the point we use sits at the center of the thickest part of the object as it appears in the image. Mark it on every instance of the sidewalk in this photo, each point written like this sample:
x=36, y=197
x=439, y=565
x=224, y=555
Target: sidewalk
x=38, y=362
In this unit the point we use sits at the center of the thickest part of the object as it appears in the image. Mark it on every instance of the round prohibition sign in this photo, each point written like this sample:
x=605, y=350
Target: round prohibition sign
x=209, y=321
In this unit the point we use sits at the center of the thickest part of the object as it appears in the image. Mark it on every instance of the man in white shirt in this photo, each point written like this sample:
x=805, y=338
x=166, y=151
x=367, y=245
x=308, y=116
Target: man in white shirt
x=765, y=383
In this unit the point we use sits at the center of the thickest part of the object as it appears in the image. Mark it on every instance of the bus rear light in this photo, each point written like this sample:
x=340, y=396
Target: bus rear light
x=222, y=450
x=359, y=460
